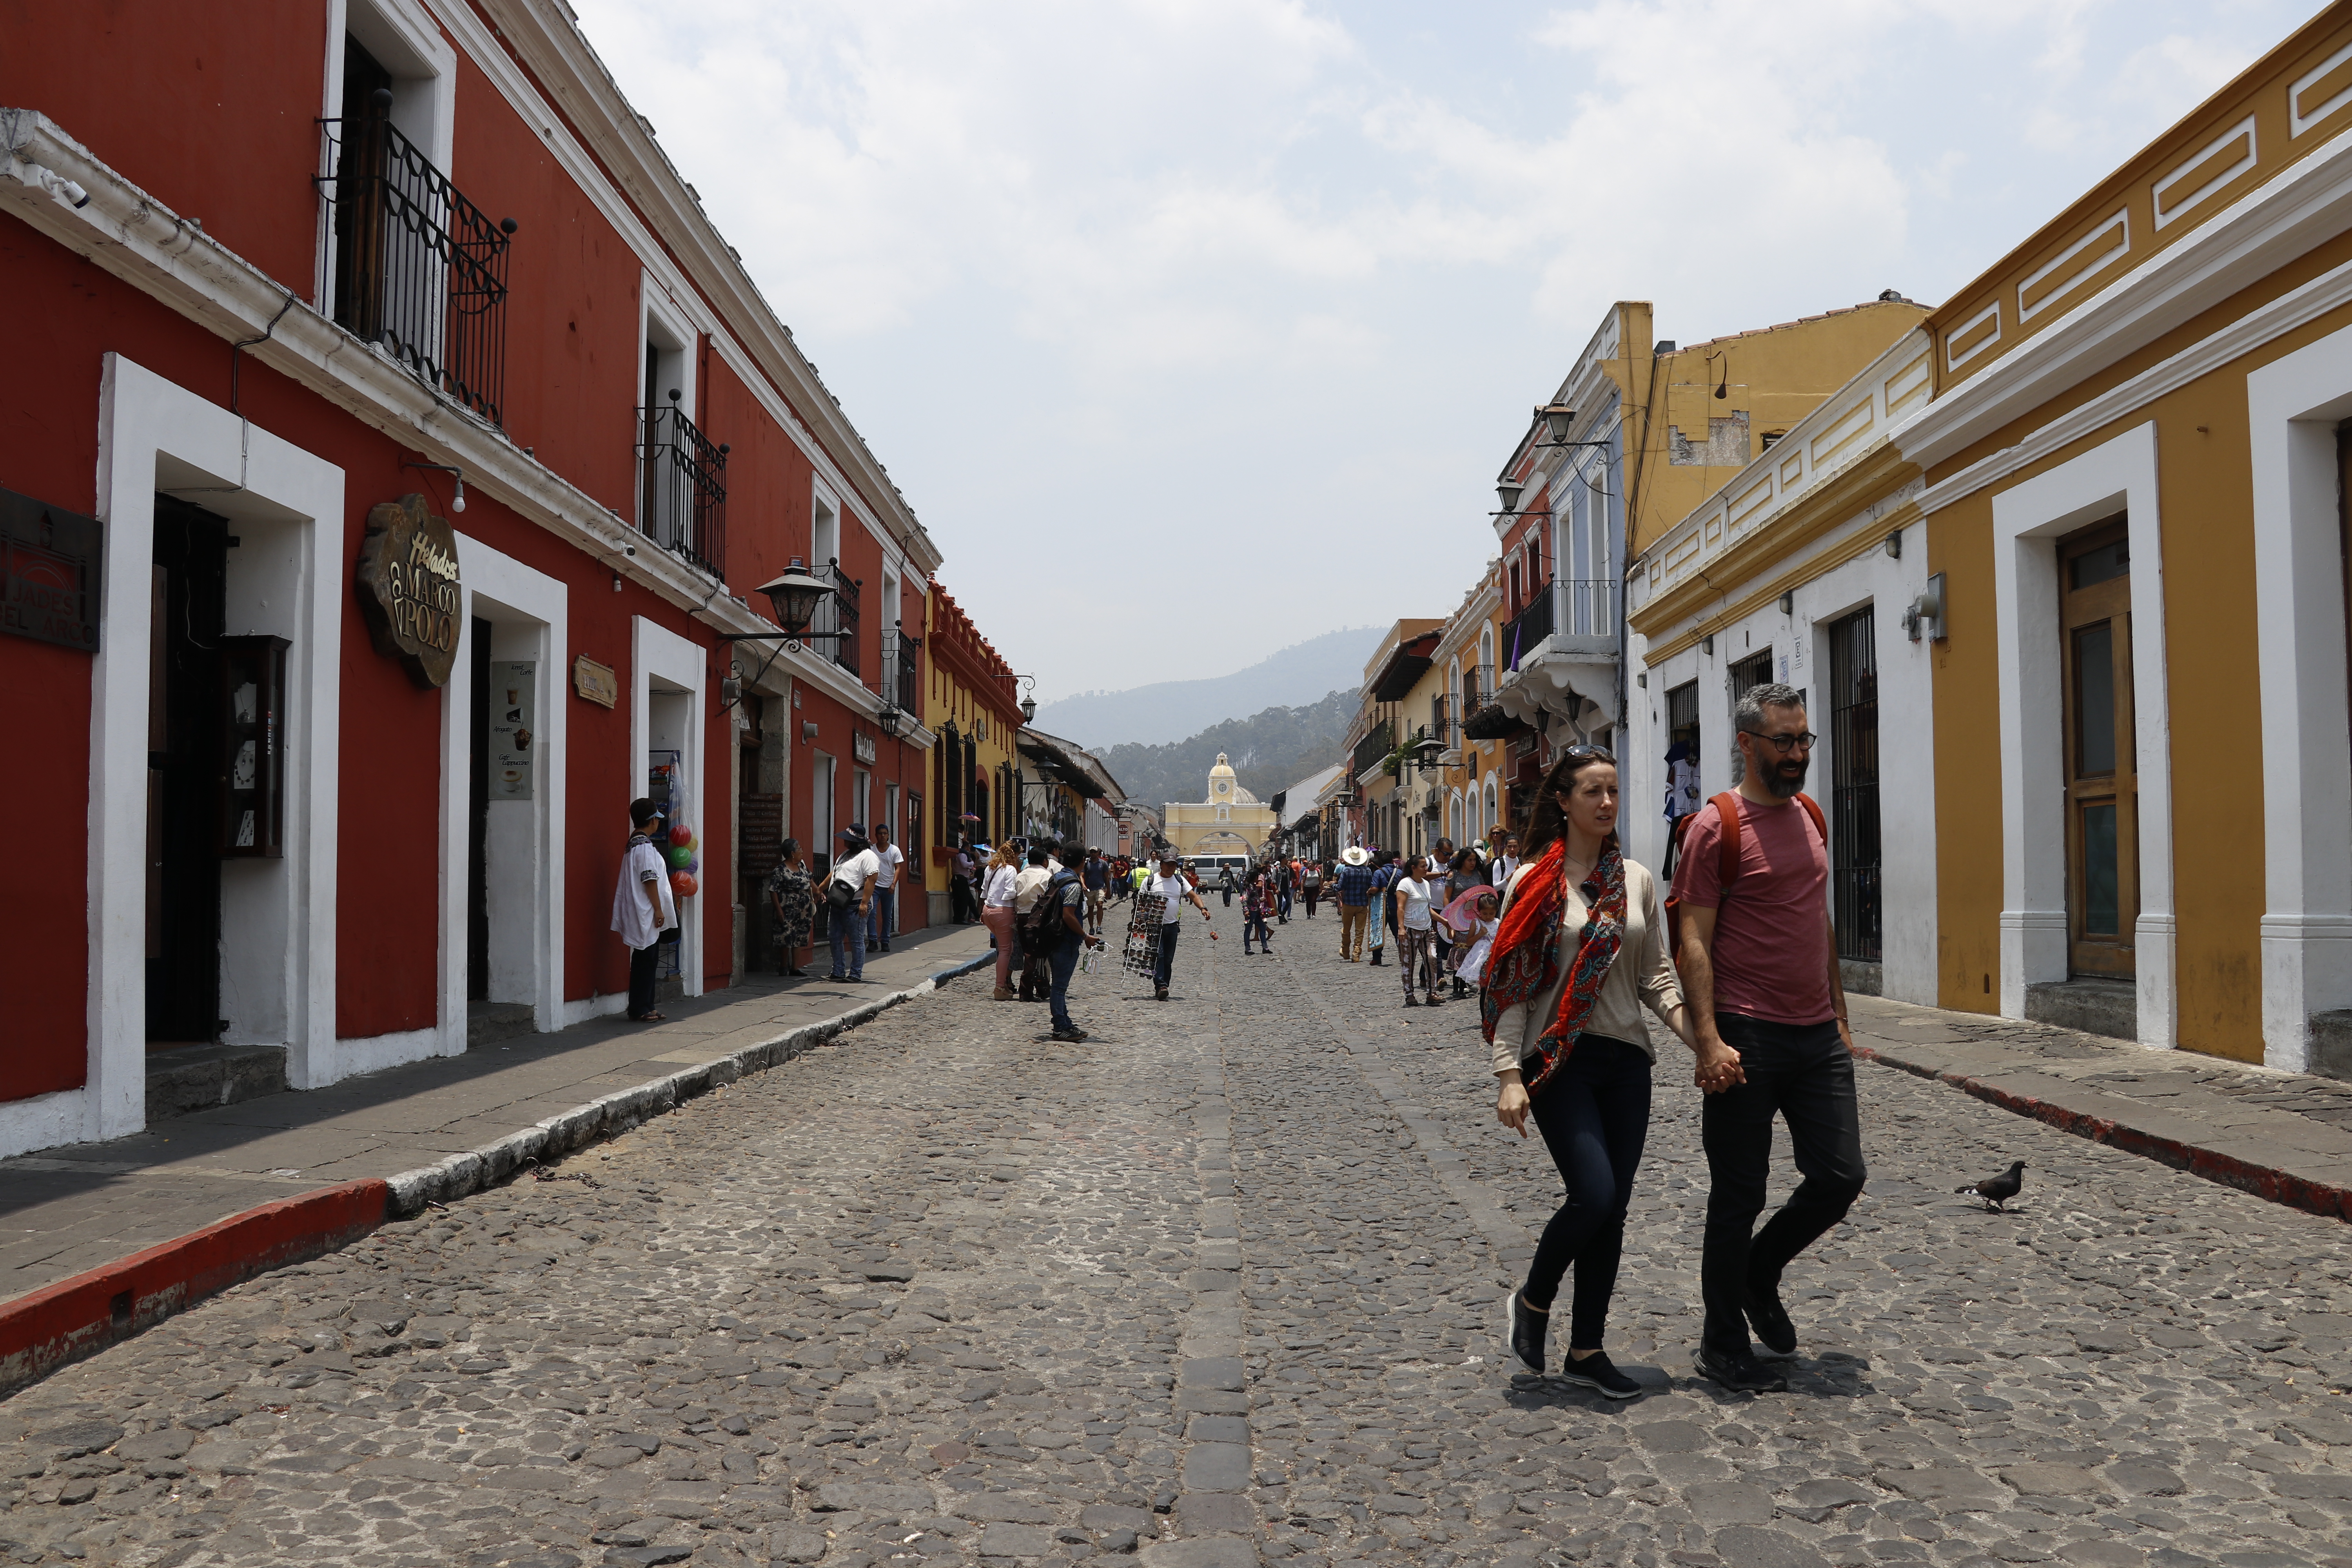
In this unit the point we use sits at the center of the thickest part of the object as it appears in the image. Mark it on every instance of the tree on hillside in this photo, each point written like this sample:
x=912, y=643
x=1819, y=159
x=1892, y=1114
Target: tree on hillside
x=1270, y=750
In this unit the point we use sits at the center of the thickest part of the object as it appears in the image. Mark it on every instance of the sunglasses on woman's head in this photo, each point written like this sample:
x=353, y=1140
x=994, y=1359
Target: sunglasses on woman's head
x=1583, y=754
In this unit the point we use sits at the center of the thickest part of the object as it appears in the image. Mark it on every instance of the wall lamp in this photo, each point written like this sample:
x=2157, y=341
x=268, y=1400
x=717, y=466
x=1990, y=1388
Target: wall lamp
x=458, y=504
x=792, y=598
x=1925, y=618
x=1895, y=544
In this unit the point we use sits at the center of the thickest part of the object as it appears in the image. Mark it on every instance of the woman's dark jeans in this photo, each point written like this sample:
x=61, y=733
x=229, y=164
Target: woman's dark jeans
x=1594, y=1115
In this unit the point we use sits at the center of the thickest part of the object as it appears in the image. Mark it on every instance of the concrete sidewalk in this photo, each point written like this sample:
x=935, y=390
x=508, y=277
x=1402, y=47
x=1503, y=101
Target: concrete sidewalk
x=2286, y=1137
x=84, y=1207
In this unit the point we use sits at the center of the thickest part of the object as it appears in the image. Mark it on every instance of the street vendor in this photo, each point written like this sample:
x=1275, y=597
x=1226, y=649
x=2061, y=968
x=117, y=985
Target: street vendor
x=1173, y=891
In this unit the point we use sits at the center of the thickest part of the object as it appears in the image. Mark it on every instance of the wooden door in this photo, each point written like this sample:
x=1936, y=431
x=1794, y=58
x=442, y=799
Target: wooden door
x=2102, y=780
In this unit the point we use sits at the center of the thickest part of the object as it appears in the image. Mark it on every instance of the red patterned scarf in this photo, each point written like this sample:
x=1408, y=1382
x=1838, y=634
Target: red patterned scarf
x=1525, y=955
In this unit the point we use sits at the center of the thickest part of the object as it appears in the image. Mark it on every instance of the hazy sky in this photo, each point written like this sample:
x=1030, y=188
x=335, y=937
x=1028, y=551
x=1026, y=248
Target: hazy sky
x=1230, y=310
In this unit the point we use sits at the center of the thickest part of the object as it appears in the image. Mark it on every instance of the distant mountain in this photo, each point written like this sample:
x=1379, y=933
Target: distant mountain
x=1169, y=709
x=1268, y=750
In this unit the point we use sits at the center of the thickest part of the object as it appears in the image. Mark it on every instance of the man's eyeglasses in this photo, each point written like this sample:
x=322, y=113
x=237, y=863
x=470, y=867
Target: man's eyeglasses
x=1784, y=744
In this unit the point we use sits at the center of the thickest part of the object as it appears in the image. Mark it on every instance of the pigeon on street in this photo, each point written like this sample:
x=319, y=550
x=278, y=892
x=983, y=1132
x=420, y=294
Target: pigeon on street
x=1998, y=1190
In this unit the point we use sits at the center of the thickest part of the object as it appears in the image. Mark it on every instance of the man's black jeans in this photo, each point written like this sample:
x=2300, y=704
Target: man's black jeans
x=1165, y=963
x=1804, y=1073
x=641, y=979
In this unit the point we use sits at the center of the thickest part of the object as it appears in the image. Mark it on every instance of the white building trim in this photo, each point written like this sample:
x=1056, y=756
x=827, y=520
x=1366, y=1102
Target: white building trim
x=658, y=654
x=278, y=950
x=2292, y=406
x=530, y=611
x=2304, y=206
x=2118, y=475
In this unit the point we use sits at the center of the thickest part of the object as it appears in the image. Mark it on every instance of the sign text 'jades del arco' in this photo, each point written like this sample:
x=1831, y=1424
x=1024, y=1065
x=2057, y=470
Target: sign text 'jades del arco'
x=409, y=587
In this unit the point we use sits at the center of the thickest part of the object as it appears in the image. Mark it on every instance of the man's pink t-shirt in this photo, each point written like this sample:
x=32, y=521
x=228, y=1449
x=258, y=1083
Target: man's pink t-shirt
x=1772, y=946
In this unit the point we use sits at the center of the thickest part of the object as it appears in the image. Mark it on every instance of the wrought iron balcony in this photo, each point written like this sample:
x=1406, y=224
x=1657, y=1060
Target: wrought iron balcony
x=1375, y=745
x=837, y=612
x=1583, y=610
x=685, y=503
x=419, y=269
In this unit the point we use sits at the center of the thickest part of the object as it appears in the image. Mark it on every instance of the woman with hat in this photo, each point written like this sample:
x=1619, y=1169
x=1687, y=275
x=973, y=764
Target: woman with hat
x=1580, y=950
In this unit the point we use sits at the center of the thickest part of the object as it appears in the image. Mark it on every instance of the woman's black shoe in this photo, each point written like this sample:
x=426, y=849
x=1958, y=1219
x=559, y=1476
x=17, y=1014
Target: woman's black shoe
x=1523, y=1332
x=1599, y=1372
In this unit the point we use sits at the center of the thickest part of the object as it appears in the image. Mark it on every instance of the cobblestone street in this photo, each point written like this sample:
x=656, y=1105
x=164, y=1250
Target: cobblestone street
x=1219, y=1285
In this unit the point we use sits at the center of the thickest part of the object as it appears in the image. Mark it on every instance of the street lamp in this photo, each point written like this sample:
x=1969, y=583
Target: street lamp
x=792, y=598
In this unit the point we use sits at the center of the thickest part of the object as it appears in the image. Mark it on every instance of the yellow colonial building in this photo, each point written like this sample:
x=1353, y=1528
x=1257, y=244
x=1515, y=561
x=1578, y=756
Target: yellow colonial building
x=1231, y=821
x=2062, y=576
x=972, y=704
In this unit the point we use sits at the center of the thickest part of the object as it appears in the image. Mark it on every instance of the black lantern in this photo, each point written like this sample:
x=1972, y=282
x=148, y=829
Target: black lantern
x=1509, y=490
x=1559, y=419
x=795, y=597
x=1028, y=710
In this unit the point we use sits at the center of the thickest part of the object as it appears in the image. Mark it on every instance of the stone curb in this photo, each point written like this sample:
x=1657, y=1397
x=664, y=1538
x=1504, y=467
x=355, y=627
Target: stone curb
x=2227, y=1170
x=81, y=1315
x=444, y=1181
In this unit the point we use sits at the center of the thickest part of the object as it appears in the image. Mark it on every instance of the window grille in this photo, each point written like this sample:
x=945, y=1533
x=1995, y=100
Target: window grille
x=419, y=270
x=1854, y=786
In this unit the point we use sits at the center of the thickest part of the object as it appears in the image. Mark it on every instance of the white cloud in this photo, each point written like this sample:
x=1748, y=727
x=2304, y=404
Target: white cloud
x=1207, y=280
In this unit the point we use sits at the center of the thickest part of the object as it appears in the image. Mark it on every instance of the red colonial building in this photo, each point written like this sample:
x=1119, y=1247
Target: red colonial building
x=391, y=447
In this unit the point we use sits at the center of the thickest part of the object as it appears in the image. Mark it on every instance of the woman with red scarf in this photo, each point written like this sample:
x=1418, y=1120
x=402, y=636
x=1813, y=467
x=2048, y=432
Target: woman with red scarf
x=1581, y=947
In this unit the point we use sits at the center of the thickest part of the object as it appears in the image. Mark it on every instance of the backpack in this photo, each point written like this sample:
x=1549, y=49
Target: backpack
x=1726, y=807
x=1038, y=925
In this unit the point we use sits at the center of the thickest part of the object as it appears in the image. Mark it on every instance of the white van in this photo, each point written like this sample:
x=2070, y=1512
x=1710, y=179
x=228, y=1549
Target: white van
x=1209, y=867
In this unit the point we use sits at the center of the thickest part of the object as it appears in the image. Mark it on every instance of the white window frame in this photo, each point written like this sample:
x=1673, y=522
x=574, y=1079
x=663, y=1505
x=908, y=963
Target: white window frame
x=2119, y=474
x=824, y=518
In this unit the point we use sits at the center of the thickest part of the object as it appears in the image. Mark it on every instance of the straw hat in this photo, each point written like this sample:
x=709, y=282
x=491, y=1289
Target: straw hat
x=1354, y=855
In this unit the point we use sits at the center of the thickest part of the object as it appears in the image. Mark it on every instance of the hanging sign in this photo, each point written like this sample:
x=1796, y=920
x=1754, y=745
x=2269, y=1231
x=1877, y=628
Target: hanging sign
x=861, y=746
x=596, y=682
x=49, y=572
x=514, y=700
x=409, y=588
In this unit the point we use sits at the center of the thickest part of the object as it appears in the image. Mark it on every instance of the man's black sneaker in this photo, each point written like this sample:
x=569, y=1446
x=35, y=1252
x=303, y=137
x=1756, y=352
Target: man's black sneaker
x=1159, y=994
x=1599, y=1372
x=1071, y=1036
x=1375, y=960
x=1740, y=1375
x=1771, y=1323
x=1523, y=1332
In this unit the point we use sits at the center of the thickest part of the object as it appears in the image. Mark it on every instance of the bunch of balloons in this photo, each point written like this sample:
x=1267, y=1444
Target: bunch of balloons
x=683, y=861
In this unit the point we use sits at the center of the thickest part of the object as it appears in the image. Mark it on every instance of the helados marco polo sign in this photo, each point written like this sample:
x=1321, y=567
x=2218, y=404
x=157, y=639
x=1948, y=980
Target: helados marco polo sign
x=409, y=588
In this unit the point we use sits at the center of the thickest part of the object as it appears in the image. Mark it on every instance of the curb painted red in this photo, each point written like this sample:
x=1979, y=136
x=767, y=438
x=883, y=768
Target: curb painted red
x=45, y=1329
x=2227, y=1170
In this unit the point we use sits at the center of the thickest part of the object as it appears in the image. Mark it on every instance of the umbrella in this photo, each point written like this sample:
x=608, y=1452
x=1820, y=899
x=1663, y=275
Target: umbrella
x=1463, y=912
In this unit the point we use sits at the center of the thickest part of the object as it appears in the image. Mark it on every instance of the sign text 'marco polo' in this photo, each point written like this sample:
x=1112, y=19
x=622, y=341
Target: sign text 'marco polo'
x=409, y=587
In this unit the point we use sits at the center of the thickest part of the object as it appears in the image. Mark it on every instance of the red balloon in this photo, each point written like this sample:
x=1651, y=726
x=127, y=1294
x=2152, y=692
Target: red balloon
x=681, y=834
x=682, y=883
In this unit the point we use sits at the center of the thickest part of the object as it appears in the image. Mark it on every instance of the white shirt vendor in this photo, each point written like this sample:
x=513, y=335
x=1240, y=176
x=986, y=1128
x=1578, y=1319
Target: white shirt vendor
x=1175, y=890
x=631, y=916
x=887, y=859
